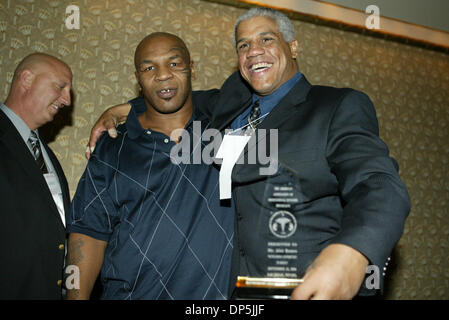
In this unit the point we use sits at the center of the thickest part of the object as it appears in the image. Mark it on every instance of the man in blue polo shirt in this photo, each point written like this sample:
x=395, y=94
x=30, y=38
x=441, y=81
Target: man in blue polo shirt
x=156, y=229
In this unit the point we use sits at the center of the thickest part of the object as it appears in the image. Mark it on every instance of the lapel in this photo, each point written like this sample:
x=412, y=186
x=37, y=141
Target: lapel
x=11, y=138
x=234, y=98
x=282, y=112
x=288, y=105
x=61, y=177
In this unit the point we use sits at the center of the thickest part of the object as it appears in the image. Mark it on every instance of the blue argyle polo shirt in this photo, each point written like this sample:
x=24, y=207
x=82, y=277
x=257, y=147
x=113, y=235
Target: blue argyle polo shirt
x=168, y=235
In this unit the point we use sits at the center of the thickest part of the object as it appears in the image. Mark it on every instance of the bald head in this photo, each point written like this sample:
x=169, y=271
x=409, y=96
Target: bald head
x=37, y=63
x=40, y=88
x=164, y=72
x=153, y=39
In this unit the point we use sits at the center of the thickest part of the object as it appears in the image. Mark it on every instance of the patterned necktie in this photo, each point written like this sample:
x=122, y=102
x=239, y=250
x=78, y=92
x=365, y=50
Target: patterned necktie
x=33, y=140
x=254, y=116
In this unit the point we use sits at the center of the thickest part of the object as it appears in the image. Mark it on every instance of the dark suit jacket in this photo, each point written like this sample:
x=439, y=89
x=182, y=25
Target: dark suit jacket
x=343, y=186
x=31, y=230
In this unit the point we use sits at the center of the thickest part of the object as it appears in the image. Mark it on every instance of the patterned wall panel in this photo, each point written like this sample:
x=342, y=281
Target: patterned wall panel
x=409, y=87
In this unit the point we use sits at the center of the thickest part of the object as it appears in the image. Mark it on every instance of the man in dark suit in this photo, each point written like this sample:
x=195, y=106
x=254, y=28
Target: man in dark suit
x=33, y=188
x=336, y=204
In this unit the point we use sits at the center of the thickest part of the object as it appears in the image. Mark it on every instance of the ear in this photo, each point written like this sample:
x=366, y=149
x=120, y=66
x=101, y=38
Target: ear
x=192, y=71
x=294, y=48
x=26, y=78
x=136, y=73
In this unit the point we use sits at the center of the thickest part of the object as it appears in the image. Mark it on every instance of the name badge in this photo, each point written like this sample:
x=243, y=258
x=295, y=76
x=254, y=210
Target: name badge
x=56, y=192
x=53, y=183
x=230, y=149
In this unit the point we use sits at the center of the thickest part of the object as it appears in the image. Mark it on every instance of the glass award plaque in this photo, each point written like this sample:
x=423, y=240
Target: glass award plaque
x=271, y=256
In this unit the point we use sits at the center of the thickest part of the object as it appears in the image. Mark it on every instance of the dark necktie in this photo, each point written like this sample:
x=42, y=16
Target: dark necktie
x=33, y=140
x=254, y=116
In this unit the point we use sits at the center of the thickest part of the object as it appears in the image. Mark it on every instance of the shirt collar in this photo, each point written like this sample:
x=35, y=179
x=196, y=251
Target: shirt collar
x=138, y=107
x=267, y=103
x=18, y=123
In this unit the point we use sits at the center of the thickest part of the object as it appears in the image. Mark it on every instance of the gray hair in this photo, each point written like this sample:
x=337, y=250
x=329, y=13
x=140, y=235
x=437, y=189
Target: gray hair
x=284, y=24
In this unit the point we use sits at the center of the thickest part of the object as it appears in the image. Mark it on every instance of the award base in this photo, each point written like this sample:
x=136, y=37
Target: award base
x=264, y=288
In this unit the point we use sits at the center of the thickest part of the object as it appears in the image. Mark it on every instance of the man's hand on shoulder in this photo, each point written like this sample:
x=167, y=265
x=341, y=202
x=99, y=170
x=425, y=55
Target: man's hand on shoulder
x=108, y=121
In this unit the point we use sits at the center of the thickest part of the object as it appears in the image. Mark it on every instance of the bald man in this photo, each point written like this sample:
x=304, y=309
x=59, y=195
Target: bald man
x=33, y=188
x=155, y=229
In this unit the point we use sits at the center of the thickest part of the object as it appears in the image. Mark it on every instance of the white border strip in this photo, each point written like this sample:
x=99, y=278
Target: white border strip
x=357, y=18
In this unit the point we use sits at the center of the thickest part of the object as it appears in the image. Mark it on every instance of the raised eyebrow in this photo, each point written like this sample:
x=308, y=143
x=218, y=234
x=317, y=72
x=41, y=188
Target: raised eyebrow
x=176, y=56
x=182, y=51
x=151, y=61
x=260, y=34
x=240, y=40
x=146, y=62
x=269, y=33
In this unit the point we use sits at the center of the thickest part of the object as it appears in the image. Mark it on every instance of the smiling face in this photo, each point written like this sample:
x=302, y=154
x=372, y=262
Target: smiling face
x=266, y=60
x=164, y=72
x=48, y=90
